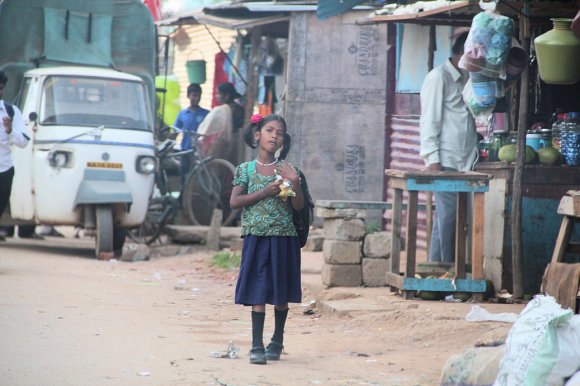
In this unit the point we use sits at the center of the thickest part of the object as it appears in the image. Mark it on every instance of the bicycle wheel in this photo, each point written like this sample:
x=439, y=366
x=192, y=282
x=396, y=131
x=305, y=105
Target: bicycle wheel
x=209, y=188
x=161, y=210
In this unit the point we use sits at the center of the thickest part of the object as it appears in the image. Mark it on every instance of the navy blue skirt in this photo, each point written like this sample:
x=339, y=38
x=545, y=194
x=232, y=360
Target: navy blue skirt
x=269, y=271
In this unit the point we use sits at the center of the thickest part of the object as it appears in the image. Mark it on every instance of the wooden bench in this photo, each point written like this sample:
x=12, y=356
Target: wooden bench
x=461, y=182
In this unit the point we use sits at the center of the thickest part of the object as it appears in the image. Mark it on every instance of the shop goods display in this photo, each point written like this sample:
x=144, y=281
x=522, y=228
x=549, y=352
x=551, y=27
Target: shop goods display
x=558, y=53
x=549, y=156
x=487, y=48
x=570, y=139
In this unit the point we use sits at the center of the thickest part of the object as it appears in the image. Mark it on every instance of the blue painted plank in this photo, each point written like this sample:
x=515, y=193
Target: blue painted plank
x=441, y=185
x=443, y=285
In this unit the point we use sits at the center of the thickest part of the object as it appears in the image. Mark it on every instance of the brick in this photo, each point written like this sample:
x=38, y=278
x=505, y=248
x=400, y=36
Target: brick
x=377, y=244
x=344, y=229
x=340, y=213
x=373, y=271
x=341, y=252
x=343, y=275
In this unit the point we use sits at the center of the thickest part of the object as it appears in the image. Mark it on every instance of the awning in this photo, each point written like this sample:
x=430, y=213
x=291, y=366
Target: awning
x=239, y=23
x=462, y=12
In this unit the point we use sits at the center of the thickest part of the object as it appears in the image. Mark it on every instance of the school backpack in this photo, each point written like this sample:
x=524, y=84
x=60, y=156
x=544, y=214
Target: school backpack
x=302, y=218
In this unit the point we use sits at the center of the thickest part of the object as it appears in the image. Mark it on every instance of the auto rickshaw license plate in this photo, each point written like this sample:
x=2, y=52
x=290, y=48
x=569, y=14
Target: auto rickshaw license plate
x=105, y=165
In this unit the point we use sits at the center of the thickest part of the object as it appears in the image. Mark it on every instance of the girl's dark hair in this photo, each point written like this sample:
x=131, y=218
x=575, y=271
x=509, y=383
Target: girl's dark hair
x=253, y=127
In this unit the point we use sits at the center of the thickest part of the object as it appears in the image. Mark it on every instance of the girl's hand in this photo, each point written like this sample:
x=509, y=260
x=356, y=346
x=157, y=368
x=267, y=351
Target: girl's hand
x=272, y=189
x=287, y=172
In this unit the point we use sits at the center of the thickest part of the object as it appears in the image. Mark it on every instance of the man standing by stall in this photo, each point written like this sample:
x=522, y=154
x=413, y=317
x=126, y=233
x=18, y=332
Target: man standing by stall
x=12, y=131
x=448, y=142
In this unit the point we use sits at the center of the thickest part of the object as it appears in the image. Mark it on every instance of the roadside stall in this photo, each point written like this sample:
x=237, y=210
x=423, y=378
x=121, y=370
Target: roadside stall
x=521, y=219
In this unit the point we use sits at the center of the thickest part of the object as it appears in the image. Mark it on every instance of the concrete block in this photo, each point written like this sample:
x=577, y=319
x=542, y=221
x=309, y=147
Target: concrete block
x=340, y=213
x=344, y=229
x=343, y=275
x=377, y=244
x=341, y=252
x=314, y=243
x=373, y=271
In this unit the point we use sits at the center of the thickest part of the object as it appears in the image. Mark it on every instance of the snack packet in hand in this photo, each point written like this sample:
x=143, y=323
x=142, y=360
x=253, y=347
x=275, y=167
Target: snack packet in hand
x=285, y=189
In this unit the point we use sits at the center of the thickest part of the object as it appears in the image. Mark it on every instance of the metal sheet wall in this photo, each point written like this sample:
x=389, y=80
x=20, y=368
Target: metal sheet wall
x=404, y=152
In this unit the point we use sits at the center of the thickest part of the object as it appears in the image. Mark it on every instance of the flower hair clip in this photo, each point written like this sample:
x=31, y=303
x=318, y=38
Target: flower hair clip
x=256, y=118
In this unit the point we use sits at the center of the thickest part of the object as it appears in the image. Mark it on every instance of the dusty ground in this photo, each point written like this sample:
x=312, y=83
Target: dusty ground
x=68, y=319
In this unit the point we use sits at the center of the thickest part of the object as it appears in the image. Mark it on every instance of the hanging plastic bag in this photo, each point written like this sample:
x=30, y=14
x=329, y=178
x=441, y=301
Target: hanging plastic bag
x=487, y=45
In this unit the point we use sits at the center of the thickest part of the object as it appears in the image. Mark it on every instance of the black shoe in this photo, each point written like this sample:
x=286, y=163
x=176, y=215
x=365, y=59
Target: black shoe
x=258, y=356
x=273, y=351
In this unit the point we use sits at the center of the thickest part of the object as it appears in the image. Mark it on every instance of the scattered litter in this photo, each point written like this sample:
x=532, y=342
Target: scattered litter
x=156, y=276
x=181, y=285
x=144, y=373
x=231, y=352
x=309, y=309
x=173, y=363
x=184, y=313
x=195, y=289
x=480, y=314
x=450, y=298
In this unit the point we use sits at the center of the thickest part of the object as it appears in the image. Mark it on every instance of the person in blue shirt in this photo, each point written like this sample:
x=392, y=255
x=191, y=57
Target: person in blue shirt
x=187, y=122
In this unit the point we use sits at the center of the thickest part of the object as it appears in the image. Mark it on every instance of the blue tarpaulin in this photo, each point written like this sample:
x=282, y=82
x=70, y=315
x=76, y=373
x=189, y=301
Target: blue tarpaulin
x=329, y=8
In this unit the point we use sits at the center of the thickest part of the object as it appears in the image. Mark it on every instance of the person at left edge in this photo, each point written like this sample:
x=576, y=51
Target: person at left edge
x=12, y=132
x=187, y=121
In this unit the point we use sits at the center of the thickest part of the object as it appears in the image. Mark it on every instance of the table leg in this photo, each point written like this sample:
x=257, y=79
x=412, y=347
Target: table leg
x=477, y=236
x=461, y=235
x=397, y=213
x=411, y=238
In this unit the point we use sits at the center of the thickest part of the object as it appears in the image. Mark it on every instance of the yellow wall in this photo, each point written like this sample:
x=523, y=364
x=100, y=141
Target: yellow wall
x=196, y=37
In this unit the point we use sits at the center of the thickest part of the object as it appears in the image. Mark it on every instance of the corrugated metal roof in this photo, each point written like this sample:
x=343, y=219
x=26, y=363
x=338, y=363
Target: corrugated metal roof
x=462, y=12
x=239, y=23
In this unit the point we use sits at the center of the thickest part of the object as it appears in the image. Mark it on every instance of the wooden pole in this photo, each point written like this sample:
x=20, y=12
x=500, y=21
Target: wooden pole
x=516, y=228
x=252, y=87
x=214, y=231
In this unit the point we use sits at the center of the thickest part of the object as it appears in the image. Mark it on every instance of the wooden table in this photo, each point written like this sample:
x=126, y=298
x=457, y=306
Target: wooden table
x=461, y=182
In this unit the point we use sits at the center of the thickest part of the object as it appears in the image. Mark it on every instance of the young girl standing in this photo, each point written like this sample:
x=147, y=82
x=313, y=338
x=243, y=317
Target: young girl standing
x=270, y=267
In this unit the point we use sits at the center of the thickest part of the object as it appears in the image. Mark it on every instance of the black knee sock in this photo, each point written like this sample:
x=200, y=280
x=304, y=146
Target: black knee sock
x=258, y=328
x=280, y=321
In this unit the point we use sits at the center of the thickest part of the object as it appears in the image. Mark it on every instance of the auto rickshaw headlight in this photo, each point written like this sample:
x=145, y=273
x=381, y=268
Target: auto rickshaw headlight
x=59, y=159
x=146, y=164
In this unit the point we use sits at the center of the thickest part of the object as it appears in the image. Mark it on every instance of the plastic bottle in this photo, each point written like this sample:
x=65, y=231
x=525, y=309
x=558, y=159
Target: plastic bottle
x=570, y=139
x=557, y=129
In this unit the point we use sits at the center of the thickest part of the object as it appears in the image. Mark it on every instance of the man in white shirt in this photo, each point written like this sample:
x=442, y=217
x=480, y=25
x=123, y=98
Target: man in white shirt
x=12, y=131
x=448, y=142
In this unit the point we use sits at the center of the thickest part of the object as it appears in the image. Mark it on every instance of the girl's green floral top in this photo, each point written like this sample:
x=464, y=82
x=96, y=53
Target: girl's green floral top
x=270, y=216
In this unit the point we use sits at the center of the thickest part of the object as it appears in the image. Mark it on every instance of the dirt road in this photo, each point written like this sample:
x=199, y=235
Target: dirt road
x=68, y=319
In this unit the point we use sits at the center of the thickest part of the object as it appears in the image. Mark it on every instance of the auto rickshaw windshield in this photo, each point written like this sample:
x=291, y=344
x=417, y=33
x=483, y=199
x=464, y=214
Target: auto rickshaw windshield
x=83, y=101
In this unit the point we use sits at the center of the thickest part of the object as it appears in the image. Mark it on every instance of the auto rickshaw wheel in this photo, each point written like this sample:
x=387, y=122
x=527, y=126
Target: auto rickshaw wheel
x=104, y=234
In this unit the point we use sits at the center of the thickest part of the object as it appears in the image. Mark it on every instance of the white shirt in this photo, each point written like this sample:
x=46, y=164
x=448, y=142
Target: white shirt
x=16, y=137
x=447, y=129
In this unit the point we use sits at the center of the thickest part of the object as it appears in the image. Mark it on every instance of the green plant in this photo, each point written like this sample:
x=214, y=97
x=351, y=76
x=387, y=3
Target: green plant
x=226, y=260
x=373, y=227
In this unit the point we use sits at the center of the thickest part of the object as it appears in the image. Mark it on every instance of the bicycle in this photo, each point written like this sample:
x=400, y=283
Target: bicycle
x=208, y=186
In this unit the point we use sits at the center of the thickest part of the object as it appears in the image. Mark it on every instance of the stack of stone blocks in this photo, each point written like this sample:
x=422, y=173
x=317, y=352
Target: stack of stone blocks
x=352, y=258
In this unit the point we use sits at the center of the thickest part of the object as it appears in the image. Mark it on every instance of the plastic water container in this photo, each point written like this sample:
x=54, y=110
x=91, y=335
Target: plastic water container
x=570, y=139
x=557, y=130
